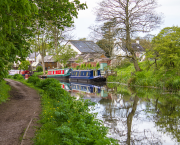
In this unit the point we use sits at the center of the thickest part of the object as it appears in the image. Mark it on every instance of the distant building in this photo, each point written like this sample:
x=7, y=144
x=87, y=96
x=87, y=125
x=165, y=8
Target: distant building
x=34, y=57
x=49, y=62
x=82, y=47
x=121, y=50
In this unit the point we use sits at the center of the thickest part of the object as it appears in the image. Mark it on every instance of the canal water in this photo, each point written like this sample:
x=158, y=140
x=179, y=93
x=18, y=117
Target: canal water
x=135, y=116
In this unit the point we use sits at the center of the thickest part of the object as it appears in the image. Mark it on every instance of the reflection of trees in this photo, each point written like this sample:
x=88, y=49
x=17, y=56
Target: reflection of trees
x=121, y=118
x=166, y=110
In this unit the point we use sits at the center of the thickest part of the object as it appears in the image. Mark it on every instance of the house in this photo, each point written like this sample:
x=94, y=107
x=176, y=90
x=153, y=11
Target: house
x=34, y=57
x=82, y=47
x=87, y=58
x=88, y=52
x=121, y=50
x=49, y=62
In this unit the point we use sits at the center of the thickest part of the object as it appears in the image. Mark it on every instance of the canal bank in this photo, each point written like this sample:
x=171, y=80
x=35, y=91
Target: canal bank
x=150, y=76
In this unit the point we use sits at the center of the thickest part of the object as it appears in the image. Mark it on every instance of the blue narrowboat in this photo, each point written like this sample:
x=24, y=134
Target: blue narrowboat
x=86, y=76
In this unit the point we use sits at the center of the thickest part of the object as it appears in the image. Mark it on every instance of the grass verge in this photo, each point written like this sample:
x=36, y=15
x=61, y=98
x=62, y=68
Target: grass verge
x=4, y=91
x=158, y=78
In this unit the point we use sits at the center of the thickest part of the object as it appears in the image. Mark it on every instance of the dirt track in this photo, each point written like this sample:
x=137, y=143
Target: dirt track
x=19, y=115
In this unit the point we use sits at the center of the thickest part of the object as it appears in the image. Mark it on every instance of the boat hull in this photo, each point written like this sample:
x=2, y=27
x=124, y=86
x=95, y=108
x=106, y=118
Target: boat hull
x=60, y=78
x=98, y=79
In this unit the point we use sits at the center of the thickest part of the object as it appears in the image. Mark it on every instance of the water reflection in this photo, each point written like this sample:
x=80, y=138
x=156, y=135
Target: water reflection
x=134, y=115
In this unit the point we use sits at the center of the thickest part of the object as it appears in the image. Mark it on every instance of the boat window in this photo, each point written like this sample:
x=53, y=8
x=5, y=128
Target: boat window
x=76, y=73
x=87, y=73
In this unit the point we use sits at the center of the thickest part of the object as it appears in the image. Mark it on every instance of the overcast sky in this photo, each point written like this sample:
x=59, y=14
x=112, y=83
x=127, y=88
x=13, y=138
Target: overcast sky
x=169, y=8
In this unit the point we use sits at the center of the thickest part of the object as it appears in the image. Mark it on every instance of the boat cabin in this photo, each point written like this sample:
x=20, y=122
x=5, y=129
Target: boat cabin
x=85, y=74
x=59, y=71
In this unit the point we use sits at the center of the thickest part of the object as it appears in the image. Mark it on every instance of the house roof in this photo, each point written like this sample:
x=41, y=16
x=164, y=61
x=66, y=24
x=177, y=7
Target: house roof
x=49, y=58
x=137, y=47
x=86, y=46
x=32, y=55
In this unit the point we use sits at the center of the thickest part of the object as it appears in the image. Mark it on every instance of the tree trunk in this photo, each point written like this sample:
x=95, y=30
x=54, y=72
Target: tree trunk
x=128, y=40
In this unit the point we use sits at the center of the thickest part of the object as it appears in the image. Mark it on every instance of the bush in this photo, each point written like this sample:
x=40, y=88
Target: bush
x=97, y=65
x=66, y=120
x=34, y=80
x=39, y=69
x=77, y=67
x=18, y=77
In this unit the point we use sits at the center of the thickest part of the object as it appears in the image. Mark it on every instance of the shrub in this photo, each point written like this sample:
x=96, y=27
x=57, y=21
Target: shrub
x=34, y=80
x=18, y=77
x=77, y=67
x=97, y=65
x=82, y=65
x=39, y=69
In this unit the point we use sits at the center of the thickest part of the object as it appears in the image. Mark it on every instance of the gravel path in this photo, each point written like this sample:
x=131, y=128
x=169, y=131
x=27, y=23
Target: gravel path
x=19, y=115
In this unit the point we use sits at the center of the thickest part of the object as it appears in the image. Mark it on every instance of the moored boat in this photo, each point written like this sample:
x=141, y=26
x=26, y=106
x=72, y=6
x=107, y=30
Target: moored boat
x=87, y=76
x=60, y=74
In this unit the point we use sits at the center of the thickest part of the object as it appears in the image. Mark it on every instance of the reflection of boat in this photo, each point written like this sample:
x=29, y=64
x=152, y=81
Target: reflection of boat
x=60, y=74
x=65, y=86
x=88, y=88
x=87, y=76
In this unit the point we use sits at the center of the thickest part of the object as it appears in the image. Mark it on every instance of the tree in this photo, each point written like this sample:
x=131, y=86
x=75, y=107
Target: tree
x=24, y=65
x=63, y=54
x=166, y=47
x=106, y=46
x=105, y=36
x=16, y=26
x=129, y=17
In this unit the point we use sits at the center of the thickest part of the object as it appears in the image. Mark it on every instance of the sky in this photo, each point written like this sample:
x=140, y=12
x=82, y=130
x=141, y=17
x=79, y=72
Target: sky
x=169, y=8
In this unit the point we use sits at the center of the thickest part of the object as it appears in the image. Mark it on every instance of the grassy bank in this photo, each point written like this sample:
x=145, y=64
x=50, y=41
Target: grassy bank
x=4, y=91
x=64, y=119
x=160, y=78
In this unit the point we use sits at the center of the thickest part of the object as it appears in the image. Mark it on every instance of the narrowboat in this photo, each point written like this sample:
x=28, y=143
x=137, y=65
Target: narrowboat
x=60, y=74
x=86, y=76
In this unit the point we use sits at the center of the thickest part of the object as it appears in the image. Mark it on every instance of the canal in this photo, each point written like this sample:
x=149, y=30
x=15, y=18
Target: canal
x=133, y=115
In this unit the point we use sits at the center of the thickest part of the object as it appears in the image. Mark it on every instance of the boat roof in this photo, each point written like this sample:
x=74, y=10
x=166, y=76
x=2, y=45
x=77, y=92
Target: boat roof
x=59, y=69
x=84, y=70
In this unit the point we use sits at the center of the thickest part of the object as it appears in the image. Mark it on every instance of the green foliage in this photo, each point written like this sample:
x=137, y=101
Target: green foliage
x=18, y=77
x=166, y=48
x=16, y=23
x=66, y=120
x=34, y=80
x=24, y=65
x=77, y=67
x=156, y=78
x=4, y=91
x=37, y=74
x=39, y=69
x=83, y=66
x=63, y=54
x=97, y=65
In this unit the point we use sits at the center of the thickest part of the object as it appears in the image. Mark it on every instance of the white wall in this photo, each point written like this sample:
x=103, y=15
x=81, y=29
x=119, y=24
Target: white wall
x=73, y=47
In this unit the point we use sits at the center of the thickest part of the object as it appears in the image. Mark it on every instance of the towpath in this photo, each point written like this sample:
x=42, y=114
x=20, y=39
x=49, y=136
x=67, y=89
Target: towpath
x=19, y=115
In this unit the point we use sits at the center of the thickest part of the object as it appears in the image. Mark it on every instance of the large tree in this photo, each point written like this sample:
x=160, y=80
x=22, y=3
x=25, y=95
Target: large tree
x=16, y=26
x=129, y=17
x=166, y=48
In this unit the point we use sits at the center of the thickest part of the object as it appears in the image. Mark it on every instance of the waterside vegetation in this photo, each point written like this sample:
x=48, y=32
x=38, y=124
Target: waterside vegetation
x=157, y=78
x=64, y=119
